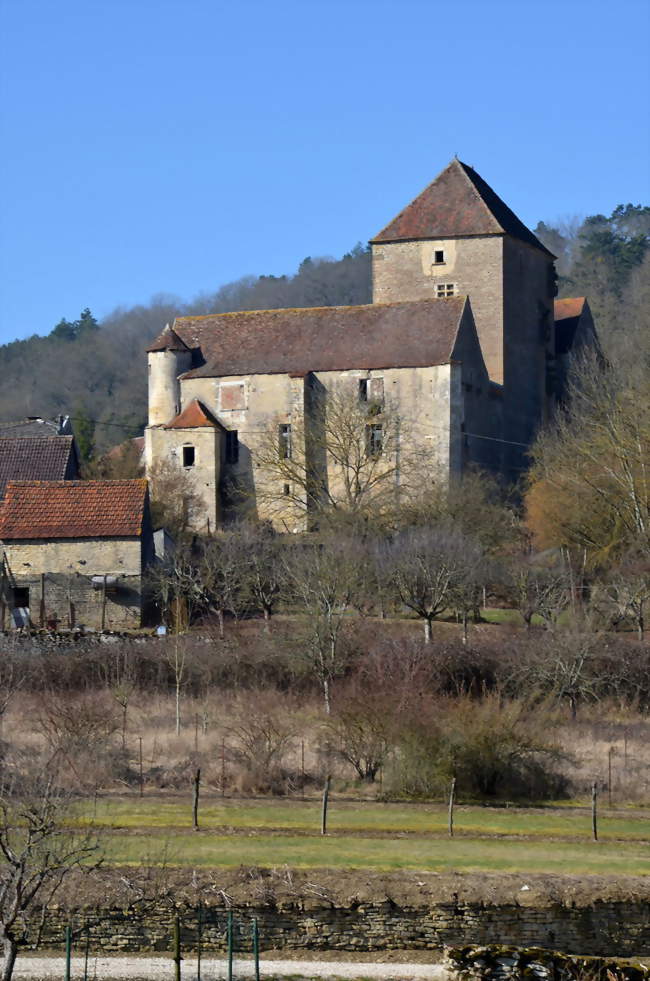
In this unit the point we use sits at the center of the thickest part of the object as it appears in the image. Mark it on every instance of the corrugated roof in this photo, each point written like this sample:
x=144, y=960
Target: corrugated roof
x=571, y=306
x=194, y=416
x=296, y=341
x=457, y=203
x=35, y=509
x=36, y=458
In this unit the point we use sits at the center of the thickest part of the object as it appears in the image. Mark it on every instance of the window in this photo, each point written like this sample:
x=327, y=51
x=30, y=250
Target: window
x=374, y=439
x=284, y=442
x=287, y=490
x=445, y=289
x=188, y=456
x=232, y=446
x=439, y=257
x=372, y=390
x=21, y=597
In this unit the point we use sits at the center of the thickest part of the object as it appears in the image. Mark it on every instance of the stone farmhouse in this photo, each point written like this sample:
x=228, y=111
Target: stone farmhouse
x=73, y=553
x=460, y=335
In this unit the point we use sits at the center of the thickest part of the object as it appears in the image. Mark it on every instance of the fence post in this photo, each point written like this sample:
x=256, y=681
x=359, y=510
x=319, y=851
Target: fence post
x=452, y=794
x=177, y=949
x=87, y=951
x=326, y=794
x=195, y=802
x=594, y=810
x=229, y=945
x=256, y=949
x=68, y=951
x=199, y=937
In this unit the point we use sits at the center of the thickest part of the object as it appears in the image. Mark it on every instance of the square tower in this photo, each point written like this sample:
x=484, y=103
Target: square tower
x=459, y=237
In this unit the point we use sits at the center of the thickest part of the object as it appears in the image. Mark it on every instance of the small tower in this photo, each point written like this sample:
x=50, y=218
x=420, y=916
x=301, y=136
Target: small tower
x=168, y=357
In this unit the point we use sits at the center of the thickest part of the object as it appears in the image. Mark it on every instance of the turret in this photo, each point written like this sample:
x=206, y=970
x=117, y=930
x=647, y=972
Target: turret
x=168, y=357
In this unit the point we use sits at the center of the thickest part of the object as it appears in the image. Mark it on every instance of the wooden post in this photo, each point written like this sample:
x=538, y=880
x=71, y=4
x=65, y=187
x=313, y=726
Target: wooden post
x=223, y=767
x=326, y=794
x=452, y=794
x=195, y=802
x=610, y=753
x=141, y=773
x=177, y=949
x=302, y=767
x=42, y=604
x=594, y=810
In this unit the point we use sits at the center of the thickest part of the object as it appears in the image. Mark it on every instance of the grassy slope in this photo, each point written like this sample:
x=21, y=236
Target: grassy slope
x=371, y=835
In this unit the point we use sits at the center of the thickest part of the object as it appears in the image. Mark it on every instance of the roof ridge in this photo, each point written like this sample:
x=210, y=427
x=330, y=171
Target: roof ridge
x=303, y=310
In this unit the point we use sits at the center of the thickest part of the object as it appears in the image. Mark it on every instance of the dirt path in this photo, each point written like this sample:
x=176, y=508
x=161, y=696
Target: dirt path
x=162, y=969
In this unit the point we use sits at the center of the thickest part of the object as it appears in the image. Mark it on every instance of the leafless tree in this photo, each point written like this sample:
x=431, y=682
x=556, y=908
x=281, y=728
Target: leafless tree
x=322, y=580
x=38, y=852
x=539, y=588
x=425, y=565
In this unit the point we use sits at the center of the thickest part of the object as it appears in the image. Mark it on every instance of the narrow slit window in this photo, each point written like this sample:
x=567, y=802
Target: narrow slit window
x=284, y=441
x=286, y=490
x=363, y=389
x=374, y=439
x=232, y=446
x=188, y=456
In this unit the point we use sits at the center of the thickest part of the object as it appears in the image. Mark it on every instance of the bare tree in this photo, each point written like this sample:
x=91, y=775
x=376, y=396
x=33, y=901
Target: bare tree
x=38, y=852
x=425, y=565
x=322, y=580
x=257, y=558
x=625, y=593
x=538, y=588
x=348, y=459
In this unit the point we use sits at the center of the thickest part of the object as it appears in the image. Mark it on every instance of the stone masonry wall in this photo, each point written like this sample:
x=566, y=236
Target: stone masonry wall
x=615, y=928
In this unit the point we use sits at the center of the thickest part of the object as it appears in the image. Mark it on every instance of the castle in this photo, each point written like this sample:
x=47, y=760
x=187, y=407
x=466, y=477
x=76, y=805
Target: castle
x=461, y=336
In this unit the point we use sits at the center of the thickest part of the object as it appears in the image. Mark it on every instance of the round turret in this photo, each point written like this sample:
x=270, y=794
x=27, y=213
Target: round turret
x=168, y=357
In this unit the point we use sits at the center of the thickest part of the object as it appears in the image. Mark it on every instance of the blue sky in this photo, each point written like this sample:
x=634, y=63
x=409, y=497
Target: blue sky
x=173, y=145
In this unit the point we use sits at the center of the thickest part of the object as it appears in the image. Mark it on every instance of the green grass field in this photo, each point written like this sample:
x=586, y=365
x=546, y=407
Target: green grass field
x=369, y=835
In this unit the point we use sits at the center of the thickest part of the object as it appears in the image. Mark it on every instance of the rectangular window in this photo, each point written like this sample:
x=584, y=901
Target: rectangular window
x=284, y=442
x=445, y=289
x=188, y=456
x=287, y=490
x=21, y=597
x=363, y=389
x=438, y=257
x=374, y=439
x=232, y=446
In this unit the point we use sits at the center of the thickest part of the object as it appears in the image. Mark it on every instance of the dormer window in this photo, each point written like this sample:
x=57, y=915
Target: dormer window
x=439, y=257
x=445, y=289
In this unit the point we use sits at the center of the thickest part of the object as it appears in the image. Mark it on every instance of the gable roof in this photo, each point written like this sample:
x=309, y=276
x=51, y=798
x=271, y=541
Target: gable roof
x=296, y=341
x=37, y=458
x=194, y=416
x=167, y=340
x=37, y=509
x=457, y=203
x=35, y=426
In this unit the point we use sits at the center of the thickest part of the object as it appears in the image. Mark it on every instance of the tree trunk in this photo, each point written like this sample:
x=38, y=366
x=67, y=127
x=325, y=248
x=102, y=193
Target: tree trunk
x=326, y=695
x=464, y=626
x=220, y=617
x=178, y=706
x=267, y=622
x=10, y=952
x=427, y=630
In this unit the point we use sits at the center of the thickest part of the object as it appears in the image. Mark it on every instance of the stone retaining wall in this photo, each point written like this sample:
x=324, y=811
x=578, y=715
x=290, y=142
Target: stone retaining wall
x=604, y=928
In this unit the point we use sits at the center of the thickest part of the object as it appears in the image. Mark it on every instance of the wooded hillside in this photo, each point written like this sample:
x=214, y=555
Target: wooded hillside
x=96, y=372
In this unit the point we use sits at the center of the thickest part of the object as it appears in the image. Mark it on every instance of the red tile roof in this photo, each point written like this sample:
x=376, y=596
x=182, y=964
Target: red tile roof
x=296, y=341
x=37, y=458
x=194, y=416
x=457, y=203
x=569, y=307
x=37, y=509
